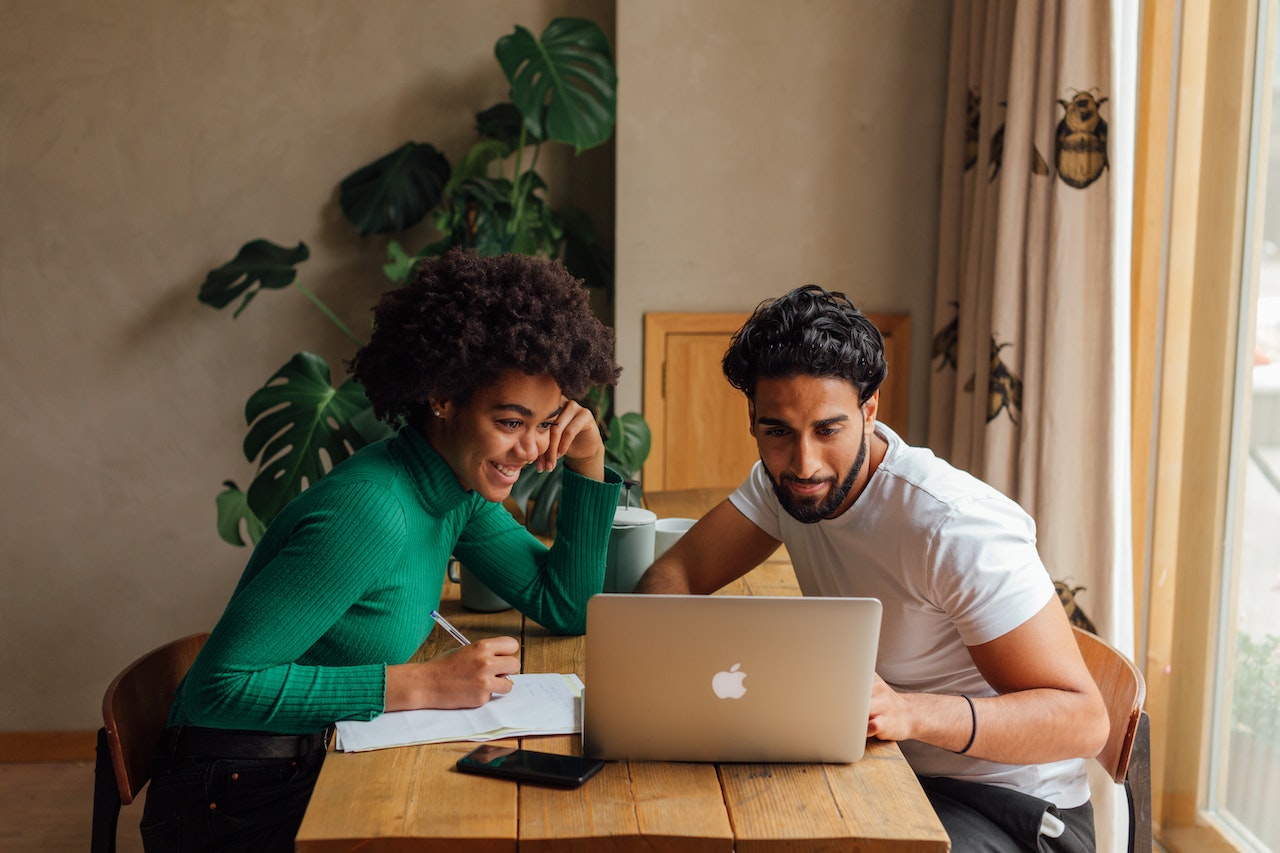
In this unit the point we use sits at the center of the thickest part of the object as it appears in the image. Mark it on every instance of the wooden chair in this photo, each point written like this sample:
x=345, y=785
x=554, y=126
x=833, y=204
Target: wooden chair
x=1127, y=753
x=135, y=710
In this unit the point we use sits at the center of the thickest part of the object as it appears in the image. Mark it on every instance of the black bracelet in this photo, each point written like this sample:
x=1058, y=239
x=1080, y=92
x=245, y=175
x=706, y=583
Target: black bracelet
x=974, y=714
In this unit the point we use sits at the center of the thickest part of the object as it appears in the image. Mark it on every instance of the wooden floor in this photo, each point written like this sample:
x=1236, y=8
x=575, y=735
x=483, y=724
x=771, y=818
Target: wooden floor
x=49, y=807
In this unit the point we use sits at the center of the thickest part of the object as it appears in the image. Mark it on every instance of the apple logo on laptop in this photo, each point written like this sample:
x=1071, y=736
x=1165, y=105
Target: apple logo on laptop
x=728, y=684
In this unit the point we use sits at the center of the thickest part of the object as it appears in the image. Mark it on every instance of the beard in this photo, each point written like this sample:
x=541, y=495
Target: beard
x=813, y=510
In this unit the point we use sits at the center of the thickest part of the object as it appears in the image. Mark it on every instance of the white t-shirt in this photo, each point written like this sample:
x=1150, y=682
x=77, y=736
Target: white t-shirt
x=954, y=563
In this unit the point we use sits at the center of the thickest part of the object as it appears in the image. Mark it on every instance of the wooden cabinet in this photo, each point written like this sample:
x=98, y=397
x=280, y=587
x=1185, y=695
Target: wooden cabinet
x=701, y=436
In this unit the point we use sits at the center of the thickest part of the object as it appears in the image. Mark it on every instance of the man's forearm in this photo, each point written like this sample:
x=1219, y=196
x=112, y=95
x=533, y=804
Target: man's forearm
x=664, y=577
x=1027, y=727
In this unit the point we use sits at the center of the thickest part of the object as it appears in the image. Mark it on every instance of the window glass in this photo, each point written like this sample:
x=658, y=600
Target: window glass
x=1248, y=759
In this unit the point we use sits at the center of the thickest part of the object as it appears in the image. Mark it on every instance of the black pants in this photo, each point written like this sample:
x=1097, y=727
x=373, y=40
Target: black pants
x=204, y=803
x=989, y=819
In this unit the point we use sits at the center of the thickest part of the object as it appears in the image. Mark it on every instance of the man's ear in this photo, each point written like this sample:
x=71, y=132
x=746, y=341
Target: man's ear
x=870, y=410
x=751, y=416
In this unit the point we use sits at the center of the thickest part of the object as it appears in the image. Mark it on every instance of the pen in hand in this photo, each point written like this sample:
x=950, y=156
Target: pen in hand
x=452, y=631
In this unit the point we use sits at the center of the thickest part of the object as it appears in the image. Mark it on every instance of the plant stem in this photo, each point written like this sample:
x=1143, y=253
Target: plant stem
x=324, y=309
x=517, y=197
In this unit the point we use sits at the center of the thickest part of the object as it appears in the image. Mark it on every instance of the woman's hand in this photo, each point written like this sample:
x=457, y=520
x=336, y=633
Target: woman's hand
x=576, y=437
x=466, y=677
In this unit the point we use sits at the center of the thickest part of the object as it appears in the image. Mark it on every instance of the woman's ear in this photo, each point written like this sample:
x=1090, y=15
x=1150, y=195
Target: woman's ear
x=441, y=408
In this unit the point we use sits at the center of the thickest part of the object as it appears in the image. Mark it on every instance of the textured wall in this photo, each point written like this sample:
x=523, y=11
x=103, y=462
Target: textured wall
x=765, y=145
x=142, y=143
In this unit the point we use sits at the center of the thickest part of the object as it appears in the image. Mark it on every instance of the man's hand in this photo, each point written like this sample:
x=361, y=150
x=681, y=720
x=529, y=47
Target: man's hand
x=1048, y=707
x=893, y=716
x=465, y=677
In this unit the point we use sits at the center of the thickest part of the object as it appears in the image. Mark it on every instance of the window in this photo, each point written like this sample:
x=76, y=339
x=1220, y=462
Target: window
x=1245, y=770
x=1205, y=422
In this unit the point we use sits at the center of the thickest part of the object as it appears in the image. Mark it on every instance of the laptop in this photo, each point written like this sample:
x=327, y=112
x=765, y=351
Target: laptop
x=728, y=678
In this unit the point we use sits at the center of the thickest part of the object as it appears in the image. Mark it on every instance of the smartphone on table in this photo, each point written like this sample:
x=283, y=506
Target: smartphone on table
x=527, y=765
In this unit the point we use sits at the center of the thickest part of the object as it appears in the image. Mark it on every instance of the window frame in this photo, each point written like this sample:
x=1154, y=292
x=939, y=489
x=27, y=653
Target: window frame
x=1194, y=243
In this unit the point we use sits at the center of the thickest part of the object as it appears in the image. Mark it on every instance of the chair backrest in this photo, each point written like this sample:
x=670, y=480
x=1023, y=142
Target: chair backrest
x=135, y=709
x=1123, y=689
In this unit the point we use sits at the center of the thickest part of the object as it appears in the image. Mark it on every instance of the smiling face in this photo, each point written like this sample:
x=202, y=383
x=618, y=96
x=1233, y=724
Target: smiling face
x=503, y=427
x=813, y=438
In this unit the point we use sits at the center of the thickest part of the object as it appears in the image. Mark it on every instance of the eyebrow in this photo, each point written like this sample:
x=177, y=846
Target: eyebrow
x=825, y=422
x=524, y=411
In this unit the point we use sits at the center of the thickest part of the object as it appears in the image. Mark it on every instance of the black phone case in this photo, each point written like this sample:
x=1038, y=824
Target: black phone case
x=526, y=765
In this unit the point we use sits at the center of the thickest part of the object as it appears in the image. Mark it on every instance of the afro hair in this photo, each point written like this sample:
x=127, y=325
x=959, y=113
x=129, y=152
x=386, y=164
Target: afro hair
x=465, y=319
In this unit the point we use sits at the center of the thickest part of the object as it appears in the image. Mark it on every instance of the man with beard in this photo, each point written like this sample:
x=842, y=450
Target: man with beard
x=978, y=674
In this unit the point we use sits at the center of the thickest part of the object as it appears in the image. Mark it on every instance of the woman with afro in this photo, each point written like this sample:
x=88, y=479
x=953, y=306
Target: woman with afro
x=478, y=363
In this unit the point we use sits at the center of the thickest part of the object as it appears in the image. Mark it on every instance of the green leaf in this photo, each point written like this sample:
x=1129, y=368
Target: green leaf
x=502, y=123
x=399, y=263
x=300, y=427
x=233, y=508
x=475, y=217
x=540, y=517
x=534, y=226
x=476, y=163
x=565, y=85
x=598, y=399
x=394, y=192
x=370, y=428
x=583, y=256
x=529, y=485
x=258, y=262
x=628, y=443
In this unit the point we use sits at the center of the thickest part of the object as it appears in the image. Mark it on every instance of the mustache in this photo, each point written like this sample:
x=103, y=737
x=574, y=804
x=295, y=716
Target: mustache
x=814, y=481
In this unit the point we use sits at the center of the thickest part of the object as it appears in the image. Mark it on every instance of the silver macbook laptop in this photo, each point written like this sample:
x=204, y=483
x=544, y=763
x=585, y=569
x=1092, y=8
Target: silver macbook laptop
x=728, y=678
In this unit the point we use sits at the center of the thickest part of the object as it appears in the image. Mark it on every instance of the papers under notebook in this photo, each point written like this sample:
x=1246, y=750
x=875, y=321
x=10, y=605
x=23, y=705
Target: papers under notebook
x=538, y=704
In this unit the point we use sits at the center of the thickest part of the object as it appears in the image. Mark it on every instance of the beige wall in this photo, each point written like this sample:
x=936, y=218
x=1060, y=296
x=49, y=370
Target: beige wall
x=764, y=145
x=141, y=143
x=760, y=145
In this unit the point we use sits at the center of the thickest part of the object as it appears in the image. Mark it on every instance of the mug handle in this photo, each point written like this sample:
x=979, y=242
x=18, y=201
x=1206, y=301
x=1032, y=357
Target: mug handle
x=454, y=570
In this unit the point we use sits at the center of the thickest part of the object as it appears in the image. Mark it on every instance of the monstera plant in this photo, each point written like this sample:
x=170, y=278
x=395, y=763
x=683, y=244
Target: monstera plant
x=563, y=90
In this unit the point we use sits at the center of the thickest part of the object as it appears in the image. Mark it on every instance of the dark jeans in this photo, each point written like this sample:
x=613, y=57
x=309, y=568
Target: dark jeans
x=204, y=804
x=990, y=819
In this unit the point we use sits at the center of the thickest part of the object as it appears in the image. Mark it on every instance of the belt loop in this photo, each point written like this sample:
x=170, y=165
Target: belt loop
x=169, y=741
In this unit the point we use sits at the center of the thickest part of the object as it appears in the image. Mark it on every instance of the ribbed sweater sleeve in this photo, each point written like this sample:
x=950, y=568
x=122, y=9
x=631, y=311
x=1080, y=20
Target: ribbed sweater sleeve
x=549, y=586
x=251, y=673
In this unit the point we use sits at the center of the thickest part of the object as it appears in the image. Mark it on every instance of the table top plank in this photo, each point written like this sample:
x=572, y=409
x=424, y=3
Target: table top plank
x=390, y=814
x=818, y=806
x=885, y=803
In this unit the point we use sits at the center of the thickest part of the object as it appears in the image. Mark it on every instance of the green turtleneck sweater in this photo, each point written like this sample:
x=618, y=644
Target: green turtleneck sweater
x=344, y=580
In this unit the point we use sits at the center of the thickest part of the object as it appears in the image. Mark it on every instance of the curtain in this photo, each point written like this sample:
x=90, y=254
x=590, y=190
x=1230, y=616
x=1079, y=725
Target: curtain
x=1029, y=386
x=1029, y=356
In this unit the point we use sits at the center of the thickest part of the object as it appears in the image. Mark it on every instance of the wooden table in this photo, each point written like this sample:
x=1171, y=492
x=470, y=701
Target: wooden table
x=411, y=798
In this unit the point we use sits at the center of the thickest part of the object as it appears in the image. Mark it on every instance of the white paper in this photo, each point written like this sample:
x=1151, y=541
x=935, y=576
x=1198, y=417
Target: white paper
x=538, y=704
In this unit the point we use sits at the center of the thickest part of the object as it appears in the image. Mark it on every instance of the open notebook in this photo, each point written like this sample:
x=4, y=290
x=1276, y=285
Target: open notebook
x=729, y=678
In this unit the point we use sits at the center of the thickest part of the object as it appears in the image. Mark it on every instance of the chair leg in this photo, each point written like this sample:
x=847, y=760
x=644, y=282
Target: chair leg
x=106, y=799
x=1137, y=786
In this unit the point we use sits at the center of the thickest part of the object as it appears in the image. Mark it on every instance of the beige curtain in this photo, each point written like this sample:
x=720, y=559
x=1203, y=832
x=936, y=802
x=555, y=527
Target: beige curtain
x=1024, y=389
x=1030, y=382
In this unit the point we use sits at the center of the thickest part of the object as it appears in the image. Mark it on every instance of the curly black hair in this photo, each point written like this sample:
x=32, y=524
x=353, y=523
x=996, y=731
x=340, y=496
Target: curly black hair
x=465, y=319
x=808, y=332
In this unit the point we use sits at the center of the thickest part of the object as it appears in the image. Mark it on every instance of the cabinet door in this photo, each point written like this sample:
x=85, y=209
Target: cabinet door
x=699, y=422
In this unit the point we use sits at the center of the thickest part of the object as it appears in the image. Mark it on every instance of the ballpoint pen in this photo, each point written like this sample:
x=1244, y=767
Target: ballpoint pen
x=453, y=632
